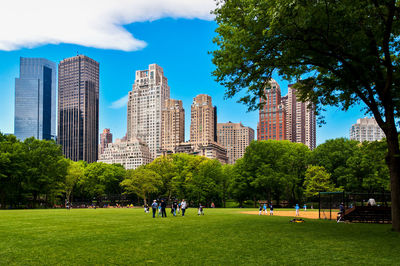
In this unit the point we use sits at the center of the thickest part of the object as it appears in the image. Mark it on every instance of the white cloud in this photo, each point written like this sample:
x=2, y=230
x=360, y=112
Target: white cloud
x=120, y=103
x=92, y=23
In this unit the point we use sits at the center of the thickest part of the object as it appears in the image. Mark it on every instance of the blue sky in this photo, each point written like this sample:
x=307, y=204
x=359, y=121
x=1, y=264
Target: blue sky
x=178, y=43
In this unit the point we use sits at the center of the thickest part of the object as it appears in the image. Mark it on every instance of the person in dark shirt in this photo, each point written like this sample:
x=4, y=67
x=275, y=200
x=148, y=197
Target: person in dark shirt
x=271, y=210
x=175, y=206
x=163, y=206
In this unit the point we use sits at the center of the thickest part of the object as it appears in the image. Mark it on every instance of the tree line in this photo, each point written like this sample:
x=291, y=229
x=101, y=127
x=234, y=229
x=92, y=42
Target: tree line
x=34, y=173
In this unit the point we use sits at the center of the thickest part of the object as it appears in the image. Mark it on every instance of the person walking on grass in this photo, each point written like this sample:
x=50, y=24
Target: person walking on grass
x=260, y=210
x=297, y=209
x=183, y=207
x=271, y=210
x=163, y=206
x=175, y=206
x=154, y=206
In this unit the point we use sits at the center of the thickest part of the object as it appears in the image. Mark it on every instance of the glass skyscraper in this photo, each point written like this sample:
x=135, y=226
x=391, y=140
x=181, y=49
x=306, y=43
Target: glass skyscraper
x=35, y=99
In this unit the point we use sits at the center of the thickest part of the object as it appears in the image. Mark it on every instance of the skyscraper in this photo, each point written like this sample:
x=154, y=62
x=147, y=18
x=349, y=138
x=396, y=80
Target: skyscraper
x=105, y=138
x=203, y=120
x=300, y=121
x=146, y=101
x=366, y=129
x=35, y=99
x=172, y=125
x=78, y=108
x=286, y=117
x=235, y=138
x=272, y=117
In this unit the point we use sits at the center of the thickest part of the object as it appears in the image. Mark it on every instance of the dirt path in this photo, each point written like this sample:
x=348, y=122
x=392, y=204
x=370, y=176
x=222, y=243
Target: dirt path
x=303, y=214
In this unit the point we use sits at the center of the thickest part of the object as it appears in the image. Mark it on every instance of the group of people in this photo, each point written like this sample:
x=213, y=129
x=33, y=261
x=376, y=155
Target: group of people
x=160, y=208
x=265, y=209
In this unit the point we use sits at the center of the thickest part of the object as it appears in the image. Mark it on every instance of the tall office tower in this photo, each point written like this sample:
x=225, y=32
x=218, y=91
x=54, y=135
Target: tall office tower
x=300, y=120
x=235, y=138
x=78, y=108
x=272, y=117
x=366, y=129
x=105, y=138
x=35, y=99
x=203, y=121
x=146, y=101
x=172, y=125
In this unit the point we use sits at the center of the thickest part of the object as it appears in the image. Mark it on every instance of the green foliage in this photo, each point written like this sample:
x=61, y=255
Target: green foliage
x=357, y=167
x=333, y=155
x=317, y=180
x=274, y=169
x=31, y=171
x=142, y=182
x=101, y=179
x=347, y=52
x=74, y=174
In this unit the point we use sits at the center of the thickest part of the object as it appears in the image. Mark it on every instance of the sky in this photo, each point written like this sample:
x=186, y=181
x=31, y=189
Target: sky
x=125, y=36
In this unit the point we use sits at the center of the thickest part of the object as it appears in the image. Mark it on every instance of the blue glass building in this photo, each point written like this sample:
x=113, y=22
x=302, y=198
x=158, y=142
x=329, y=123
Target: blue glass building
x=35, y=99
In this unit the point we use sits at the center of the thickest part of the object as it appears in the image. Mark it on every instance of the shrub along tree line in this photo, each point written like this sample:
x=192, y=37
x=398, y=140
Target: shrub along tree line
x=34, y=173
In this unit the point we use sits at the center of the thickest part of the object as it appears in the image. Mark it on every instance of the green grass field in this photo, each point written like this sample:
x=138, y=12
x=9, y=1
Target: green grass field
x=221, y=237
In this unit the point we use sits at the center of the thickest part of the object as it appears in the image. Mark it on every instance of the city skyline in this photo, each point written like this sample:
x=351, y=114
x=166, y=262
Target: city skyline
x=118, y=69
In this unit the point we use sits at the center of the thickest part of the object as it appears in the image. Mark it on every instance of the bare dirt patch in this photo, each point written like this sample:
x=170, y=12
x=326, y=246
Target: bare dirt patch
x=303, y=214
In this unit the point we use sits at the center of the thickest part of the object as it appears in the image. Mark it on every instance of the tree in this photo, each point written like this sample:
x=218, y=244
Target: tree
x=46, y=170
x=333, y=155
x=101, y=179
x=317, y=180
x=12, y=169
x=74, y=173
x=142, y=182
x=346, y=50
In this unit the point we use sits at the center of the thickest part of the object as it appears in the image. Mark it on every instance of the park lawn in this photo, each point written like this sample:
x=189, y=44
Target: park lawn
x=221, y=237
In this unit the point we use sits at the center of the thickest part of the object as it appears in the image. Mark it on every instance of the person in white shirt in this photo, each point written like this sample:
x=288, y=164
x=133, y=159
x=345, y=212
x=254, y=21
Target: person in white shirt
x=183, y=207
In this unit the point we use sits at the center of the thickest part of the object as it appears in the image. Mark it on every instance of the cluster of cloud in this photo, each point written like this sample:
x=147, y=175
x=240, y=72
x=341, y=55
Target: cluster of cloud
x=122, y=102
x=91, y=23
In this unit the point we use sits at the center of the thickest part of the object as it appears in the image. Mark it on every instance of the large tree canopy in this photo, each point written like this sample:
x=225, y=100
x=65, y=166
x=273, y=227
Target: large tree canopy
x=346, y=51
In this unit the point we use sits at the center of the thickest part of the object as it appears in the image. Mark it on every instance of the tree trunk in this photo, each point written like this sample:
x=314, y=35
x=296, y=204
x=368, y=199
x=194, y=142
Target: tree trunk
x=393, y=161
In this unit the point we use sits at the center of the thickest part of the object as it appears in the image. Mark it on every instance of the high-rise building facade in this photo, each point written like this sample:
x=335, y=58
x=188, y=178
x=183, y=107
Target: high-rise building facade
x=35, y=99
x=366, y=129
x=300, y=120
x=272, y=117
x=235, y=138
x=145, y=104
x=203, y=121
x=172, y=125
x=105, y=138
x=78, y=108
x=286, y=117
x=131, y=154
